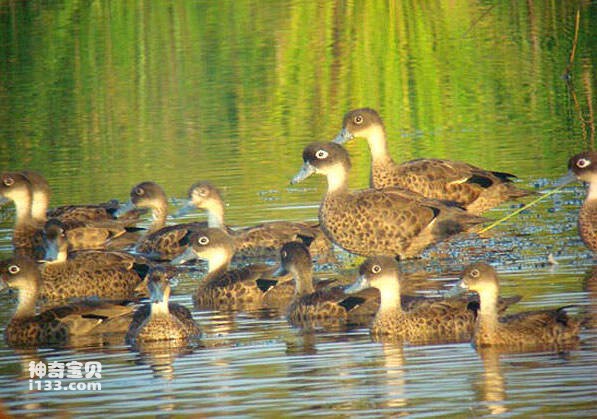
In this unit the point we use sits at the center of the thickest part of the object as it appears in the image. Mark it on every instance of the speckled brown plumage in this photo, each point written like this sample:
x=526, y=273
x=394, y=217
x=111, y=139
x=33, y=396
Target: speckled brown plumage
x=474, y=188
x=312, y=307
x=161, y=319
x=429, y=320
x=528, y=329
x=60, y=324
x=583, y=166
x=369, y=222
x=259, y=241
x=109, y=275
x=160, y=241
x=222, y=287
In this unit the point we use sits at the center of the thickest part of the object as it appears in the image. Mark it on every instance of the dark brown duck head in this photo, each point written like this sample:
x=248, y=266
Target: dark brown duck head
x=328, y=159
x=21, y=274
x=379, y=272
x=364, y=123
x=295, y=259
x=482, y=279
x=203, y=195
x=159, y=282
x=148, y=195
x=56, y=240
x=211, y=244
x=582, y=166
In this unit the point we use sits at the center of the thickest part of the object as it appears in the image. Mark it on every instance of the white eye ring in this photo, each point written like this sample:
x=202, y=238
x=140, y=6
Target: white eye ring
x=284, y=254
x=321, y=154
x=8, y=181
x=14, y=269
x=203, y=192
x=376, y=269
x=203, y=240
x=139, y=191
x=475, y=273
x=582, y=163
x=358, y=119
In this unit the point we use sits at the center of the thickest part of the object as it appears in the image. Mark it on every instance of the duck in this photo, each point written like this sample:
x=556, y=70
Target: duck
x=159, y=242
x=474, y=188
x=368, y=222
x=259, y=241
x=57, y=325
x=426, y=320
x=161, y=320
x=27, y=238
x=536, y=328
x=223, y=287
x=40, y=211
x=311, y=307
x=106, y=275
x=583, y=167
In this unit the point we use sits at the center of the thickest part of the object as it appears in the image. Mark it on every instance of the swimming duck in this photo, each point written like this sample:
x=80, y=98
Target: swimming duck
x=57, y=325
x=161, y=320
x=262, y=240
x=160, y=241
x=427, y=320
x=40, y=211
x=311, y=307
x=27, y=238
x=389, y=221
x=525, y=329
x=105, y=275
x=473, y=188
x=222, y=287
x=583, y=166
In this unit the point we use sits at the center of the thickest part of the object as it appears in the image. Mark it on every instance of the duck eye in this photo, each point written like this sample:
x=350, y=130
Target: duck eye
x=321, y=154
x=8, y=181
x=202, y=192
x=376, y=269
x=284, y=254
x=203, y=240
x=13, y=269
x=582, y=163
x=358, y=119
x=474, y=273
x=139, y=191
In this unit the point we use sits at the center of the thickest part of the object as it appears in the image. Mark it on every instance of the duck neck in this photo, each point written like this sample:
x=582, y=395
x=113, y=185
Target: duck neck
x=389, y=292
x=159, y=215
x=215, y=214
x=592, y=193
x=161, y=309
x=488, y=316
x=39, y=207
x=337, y=180
x=378, y=145
x=23, y=210
x=303, y=281
x=218, y=262
x=26, y=304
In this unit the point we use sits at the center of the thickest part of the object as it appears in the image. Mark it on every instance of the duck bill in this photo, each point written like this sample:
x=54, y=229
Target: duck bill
x=281, y=271
x=184, y=210
x=51, y=251
x=156, y=292
x=185, y=256
x=360, y=284
x=123, y=209
x=566, y=179
x=306, y=171
x=457, y=289
x=343, y=137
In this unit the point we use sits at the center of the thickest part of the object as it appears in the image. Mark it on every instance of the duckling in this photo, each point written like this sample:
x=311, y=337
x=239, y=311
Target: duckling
x=427, y=320
x=520, y=330
x=311, y=307
x=57, y=325
x=583, y=166
x=262, y=240
x=160, y=241
x=368, y=222
x=161, y=320
x=474, y=188
x=222, y=287
x=105, y=275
